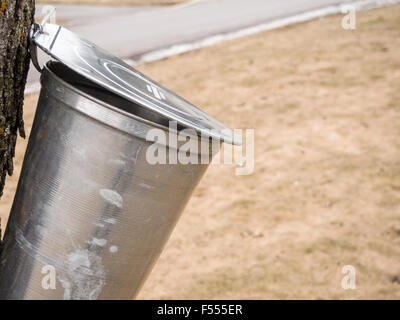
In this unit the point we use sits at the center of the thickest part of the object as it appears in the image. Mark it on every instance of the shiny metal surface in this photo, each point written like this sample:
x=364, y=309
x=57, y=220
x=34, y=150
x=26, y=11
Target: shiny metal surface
x=88, y=204
x=115, y=75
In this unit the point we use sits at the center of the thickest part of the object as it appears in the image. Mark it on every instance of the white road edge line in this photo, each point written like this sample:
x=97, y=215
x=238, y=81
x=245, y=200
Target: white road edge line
x=186, y=4
x=173, y=50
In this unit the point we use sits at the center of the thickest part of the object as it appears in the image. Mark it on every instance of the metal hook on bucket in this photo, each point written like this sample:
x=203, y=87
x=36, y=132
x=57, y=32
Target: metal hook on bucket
x=35, y=30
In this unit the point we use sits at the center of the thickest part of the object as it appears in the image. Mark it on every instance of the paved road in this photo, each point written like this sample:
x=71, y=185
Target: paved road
x=129, y=32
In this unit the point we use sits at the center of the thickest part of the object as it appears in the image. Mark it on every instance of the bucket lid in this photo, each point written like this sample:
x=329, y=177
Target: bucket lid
x=117, y=76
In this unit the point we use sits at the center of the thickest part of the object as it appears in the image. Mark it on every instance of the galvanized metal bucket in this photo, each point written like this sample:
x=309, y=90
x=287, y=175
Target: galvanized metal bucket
x=90, y=210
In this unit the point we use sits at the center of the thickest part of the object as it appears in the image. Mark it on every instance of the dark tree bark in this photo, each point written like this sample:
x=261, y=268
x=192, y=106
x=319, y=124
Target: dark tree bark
x=16, y=18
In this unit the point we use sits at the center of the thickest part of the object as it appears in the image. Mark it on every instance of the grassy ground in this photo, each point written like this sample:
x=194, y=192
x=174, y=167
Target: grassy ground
x=325, y=106
x=113, y=2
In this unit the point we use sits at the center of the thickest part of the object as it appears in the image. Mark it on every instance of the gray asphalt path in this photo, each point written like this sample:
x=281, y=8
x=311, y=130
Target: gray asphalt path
x=73, y=15
x=130, y=32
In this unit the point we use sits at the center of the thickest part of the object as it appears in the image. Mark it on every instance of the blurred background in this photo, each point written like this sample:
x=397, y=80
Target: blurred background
x=319, y=82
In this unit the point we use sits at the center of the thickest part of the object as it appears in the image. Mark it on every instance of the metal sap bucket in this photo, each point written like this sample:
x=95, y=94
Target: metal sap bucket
x=89, y=208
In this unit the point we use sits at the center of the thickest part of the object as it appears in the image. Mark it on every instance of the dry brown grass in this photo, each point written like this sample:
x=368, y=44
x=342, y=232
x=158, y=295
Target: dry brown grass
x=113, y=2
x=325, y=106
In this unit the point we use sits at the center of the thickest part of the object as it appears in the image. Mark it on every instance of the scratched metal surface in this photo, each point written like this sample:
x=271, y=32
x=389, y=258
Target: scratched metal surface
x=88, y=204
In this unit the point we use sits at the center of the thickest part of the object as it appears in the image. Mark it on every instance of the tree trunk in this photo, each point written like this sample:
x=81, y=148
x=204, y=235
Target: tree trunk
x=16, y=18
